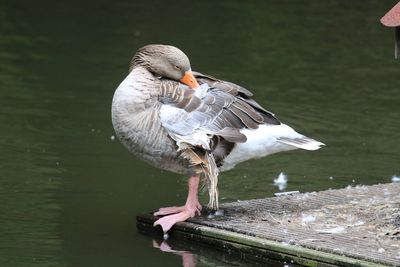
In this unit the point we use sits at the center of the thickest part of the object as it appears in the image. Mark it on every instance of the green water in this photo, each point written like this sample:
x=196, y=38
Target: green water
x=69, y=194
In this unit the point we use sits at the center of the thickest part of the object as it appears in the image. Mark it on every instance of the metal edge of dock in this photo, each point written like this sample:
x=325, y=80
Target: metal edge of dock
x=250, y=246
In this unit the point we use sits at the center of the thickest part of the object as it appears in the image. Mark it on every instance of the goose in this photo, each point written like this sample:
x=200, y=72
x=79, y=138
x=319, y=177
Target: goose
x=193, y=124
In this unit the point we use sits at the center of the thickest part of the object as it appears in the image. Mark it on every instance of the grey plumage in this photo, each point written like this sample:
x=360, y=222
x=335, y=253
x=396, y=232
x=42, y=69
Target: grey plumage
x=183, y=130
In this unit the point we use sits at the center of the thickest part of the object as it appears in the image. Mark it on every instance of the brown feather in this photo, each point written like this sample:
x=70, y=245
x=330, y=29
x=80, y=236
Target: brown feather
x=250, y=111
x=244, y=118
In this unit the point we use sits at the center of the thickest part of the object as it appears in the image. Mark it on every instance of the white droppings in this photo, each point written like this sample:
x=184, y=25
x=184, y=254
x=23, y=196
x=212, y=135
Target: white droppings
x=219, y=212
x=335, y=230
x=288, y=242
x=395, y=179
x=381, y=250
x=306, y=218
x=359, y=223
x=286, y=193
x=330, y=177
x=112, y=137
x=386, y=192
x=281, y=181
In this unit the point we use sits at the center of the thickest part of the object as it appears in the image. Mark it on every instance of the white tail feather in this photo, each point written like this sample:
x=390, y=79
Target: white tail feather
x=303, y=142
x=267, y=140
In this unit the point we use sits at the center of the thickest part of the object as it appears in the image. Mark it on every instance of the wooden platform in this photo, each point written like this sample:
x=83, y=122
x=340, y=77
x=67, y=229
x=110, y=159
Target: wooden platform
x=357, y=226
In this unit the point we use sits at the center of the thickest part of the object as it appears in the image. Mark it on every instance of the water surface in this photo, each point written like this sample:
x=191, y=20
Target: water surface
x=69, y=193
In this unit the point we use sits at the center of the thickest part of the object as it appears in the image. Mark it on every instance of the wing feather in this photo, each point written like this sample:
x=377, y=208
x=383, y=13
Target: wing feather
x=217, y=108
x=247, y=120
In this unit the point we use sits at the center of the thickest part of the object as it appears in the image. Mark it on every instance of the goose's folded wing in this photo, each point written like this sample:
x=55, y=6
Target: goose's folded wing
x=240, y=93
x=216, y=108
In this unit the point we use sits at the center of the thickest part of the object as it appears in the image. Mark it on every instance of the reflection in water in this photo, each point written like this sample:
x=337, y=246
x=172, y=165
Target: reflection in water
x=195, y=254
x=188, y=258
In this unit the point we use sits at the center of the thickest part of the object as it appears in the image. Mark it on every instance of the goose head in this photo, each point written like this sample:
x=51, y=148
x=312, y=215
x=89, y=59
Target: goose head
x=165, y=61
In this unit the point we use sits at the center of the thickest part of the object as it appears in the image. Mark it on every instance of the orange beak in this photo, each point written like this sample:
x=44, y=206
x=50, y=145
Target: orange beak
x=190, y=80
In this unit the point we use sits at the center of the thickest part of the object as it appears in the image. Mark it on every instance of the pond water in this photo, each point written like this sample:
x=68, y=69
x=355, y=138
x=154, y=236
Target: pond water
x=69, y=193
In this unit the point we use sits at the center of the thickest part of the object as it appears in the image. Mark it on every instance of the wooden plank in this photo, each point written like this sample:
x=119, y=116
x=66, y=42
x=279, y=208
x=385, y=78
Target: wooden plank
x=349, y=227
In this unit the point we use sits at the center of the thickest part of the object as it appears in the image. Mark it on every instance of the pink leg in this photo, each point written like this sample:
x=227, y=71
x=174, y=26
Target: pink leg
x=180, y=214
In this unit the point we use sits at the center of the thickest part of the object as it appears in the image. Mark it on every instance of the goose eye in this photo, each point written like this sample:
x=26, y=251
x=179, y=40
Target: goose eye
x=176, y=67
